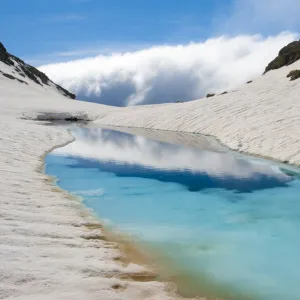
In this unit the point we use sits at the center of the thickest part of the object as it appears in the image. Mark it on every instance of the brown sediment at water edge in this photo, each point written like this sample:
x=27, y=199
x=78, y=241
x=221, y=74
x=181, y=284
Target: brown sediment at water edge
x=127, y=252
x=181, y=281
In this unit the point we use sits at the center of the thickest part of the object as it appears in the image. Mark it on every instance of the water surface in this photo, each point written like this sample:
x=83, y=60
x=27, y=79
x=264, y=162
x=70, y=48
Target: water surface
x=230, y=222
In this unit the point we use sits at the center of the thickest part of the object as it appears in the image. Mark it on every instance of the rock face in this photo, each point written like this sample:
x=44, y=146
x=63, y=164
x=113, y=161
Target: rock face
x=210, y=95
x=28, y=71
x=286, y=56
x=294, y=74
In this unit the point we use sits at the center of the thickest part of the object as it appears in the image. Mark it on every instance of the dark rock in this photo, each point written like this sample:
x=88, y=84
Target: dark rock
x=2, y=48
x=210, y=95
x=8, y=76
x=286, y=56
x=295, y=74
x=22, y=81
x=66, y=92
x=250, y=81
x=72, y=119
x=13, y=77
x=31, y=72
x=224, y=93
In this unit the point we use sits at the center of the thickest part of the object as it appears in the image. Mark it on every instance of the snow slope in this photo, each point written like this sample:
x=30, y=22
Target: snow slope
x=48, y=248
x=261, y=118
x=47, y=251
x=16, y=69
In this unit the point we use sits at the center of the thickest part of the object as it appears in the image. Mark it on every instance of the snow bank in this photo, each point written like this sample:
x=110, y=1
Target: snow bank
x=51, y=247
x=46, y=252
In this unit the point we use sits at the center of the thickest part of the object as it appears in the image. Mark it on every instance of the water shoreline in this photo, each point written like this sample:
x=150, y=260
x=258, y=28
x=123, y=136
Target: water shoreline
x=255, y=119
x=130, y=251
x=145, y=257
x=216, y=143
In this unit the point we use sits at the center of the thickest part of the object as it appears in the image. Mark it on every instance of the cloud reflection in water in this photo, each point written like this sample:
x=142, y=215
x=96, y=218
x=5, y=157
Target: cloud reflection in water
x=127, y=155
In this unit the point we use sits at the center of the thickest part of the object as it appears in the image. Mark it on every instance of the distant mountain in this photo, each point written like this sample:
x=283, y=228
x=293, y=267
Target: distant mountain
x=16, y=69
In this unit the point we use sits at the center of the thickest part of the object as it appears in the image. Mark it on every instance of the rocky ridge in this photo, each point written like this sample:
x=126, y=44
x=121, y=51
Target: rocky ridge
x=26, y=71
x=286, y=56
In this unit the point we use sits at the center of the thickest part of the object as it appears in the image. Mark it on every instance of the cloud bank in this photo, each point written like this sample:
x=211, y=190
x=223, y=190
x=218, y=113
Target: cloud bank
x=164, y=74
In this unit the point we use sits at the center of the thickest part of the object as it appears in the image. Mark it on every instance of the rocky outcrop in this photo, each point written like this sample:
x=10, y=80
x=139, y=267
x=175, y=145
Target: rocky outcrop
x=286, y=56
x=294, y=74
x=210, y=95
x=27, y=71
x=12, y=77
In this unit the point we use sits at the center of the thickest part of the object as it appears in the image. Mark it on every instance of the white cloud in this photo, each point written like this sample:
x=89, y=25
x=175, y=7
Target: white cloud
x=168, y=73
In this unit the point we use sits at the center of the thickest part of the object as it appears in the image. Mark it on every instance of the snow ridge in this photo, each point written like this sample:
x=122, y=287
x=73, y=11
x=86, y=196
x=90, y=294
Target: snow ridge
x=19, y=71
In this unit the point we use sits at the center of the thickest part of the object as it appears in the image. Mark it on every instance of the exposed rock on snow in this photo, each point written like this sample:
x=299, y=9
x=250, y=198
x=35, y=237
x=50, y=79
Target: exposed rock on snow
x=295, y=74
x=12, y=77
x=24, y=70
x=210, y=95
x=286, y=56
x=75, y=116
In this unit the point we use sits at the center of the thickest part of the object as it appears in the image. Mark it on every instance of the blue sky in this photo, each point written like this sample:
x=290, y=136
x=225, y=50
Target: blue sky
x=53, y=30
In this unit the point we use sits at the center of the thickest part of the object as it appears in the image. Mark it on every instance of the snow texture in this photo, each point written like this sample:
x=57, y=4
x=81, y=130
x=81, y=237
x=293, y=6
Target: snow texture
x=47, y=247
x=51, y=247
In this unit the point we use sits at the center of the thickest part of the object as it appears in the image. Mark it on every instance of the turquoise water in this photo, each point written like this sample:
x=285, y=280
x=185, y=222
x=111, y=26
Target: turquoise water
x=232, y=222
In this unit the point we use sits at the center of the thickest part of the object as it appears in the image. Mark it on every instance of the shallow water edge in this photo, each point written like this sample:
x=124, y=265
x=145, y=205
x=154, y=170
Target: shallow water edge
x=130, y=250
x=179, y=282
x=216, y=143
x=175, y=271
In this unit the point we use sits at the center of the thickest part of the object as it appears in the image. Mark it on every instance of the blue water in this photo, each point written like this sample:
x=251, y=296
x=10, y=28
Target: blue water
x=231, y=222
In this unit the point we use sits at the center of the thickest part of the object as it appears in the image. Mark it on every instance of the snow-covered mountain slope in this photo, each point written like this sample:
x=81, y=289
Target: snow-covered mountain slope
x=47, y=242
x=51, y=247
x=14, y=68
